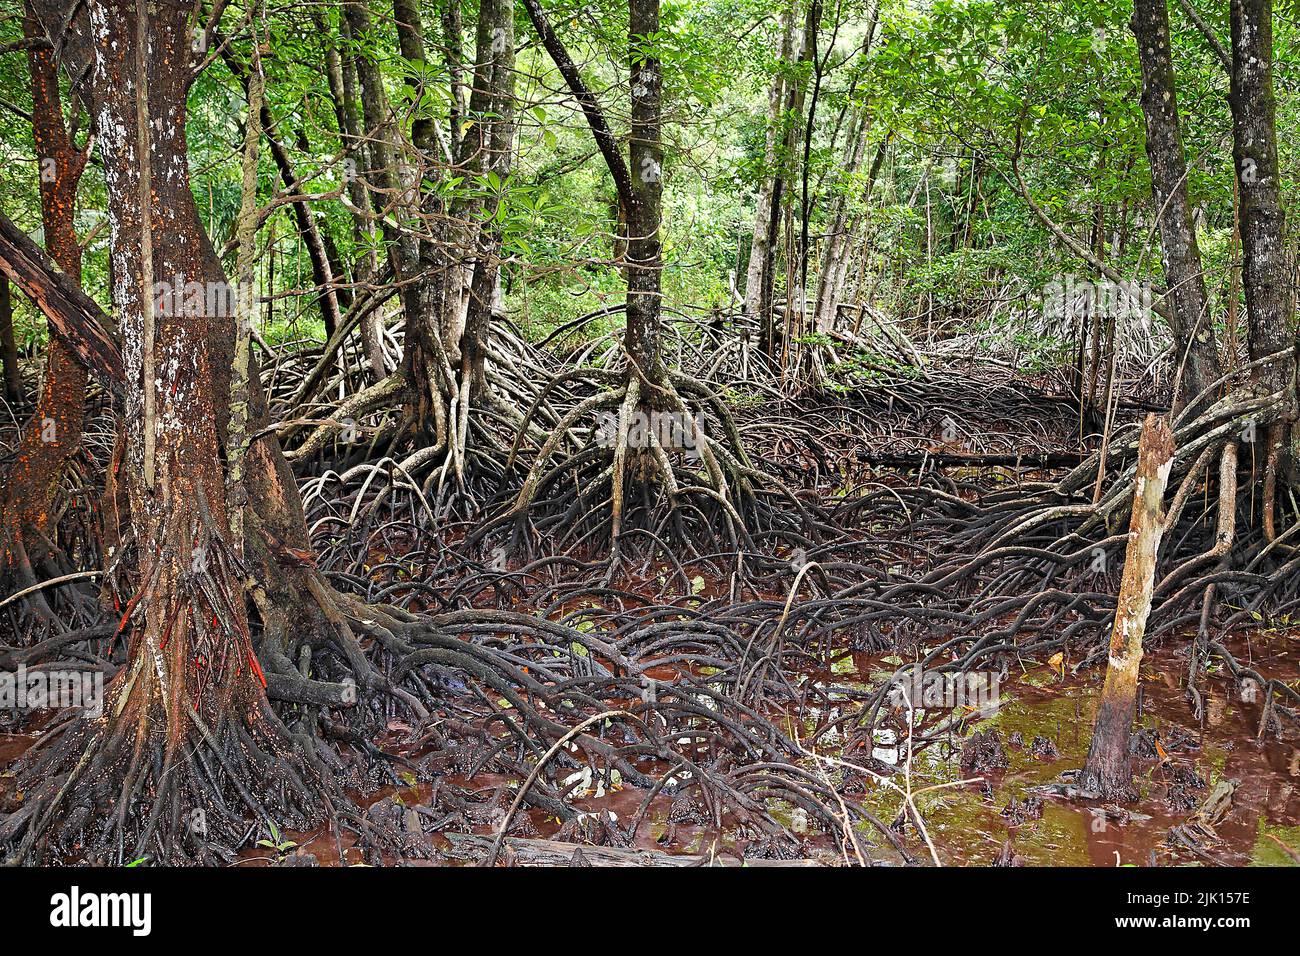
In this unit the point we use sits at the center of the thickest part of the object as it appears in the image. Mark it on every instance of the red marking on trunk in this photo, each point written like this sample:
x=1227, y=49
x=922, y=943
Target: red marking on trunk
x=256, y=667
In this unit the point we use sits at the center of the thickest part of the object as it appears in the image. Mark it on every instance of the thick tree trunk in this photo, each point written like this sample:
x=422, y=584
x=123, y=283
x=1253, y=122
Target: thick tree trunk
x=192, y=691
x=181, y=520
x=1189, y=317
x=1107, y=770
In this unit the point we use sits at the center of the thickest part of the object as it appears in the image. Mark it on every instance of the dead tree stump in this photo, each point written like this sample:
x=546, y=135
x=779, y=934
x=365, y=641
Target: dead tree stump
x=1107, y=770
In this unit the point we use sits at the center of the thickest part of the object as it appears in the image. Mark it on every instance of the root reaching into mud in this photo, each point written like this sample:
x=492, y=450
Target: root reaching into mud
x=444, y=441
x=480, y=688
x=661, y=465
x=49, y=528
x=480, y=644
x=988, y=576
x=114, y=789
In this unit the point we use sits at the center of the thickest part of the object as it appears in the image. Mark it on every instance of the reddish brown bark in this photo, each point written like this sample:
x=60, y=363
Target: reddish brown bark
x=192, y=683
x=53, y=434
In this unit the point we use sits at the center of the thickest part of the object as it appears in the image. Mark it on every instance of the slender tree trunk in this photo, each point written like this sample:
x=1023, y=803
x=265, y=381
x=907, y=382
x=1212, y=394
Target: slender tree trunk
x=795, y=89
x=761, y=248
x=444, y=275
x=342, y=94
x=498, y=160
x=13, y=381
x=445, y=362
x=835, y=255
x=644, y=253
x=53, y=435
x=322, y=270
x=452, y=29
x=1265, y=259
x=381, y=173
x=410, y=39
x=638, y=182
x=805, y=160
x=1189, y=317
x=457, y=261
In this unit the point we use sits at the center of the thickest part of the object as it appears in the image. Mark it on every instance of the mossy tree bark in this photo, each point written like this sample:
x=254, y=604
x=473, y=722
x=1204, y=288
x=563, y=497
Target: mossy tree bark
x=1189, y=317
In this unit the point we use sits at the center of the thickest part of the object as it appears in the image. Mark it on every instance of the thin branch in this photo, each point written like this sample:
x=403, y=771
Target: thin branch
x=1200, y=24
x=591, y=109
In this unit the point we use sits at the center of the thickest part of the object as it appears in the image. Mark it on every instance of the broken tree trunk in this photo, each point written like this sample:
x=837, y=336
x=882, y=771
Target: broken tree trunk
x=1107, y=770
x=63, y=303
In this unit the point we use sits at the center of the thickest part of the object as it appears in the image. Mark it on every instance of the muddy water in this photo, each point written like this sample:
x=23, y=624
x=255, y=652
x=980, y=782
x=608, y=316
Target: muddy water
x=966, y=823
